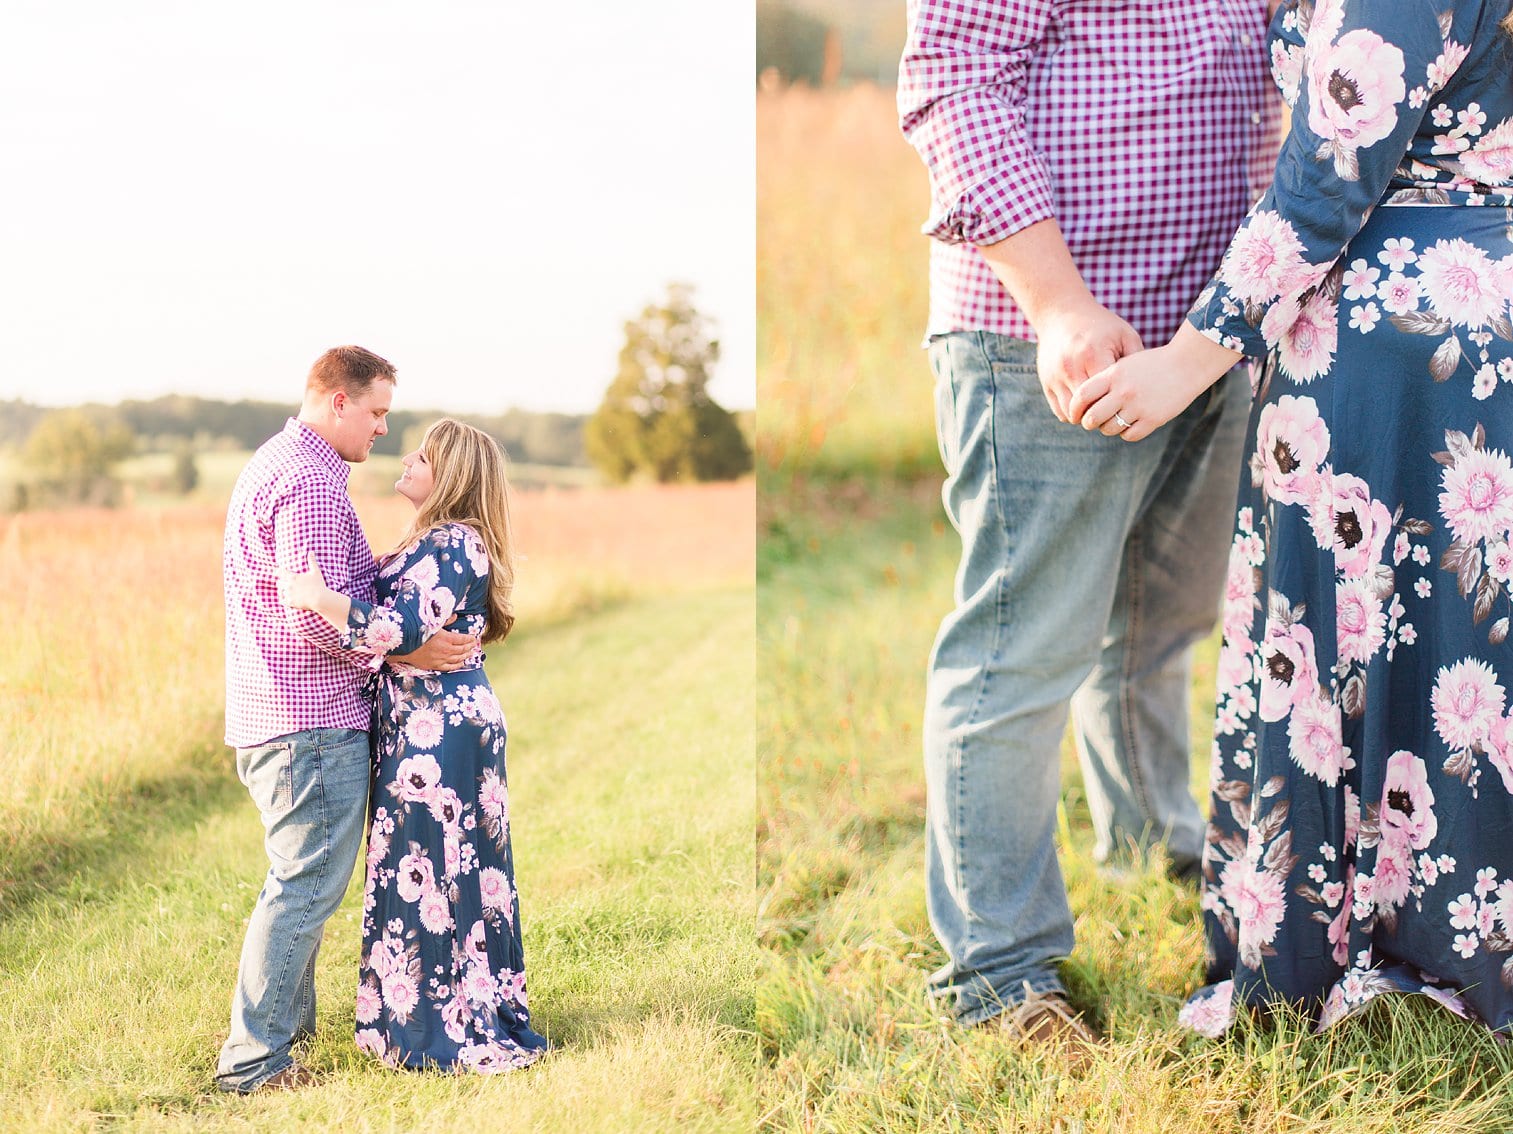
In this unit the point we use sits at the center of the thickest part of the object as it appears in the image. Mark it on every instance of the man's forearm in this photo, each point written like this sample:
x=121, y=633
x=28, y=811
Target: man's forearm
x=1036, y=268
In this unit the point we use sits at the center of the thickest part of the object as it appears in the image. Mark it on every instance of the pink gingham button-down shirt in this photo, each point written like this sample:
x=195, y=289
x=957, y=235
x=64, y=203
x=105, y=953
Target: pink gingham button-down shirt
x=1145, y=128
x=285, y=669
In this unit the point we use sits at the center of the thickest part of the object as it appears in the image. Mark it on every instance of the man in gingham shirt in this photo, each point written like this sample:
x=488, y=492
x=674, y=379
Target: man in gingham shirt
x=295, y=712
x=1088, y=164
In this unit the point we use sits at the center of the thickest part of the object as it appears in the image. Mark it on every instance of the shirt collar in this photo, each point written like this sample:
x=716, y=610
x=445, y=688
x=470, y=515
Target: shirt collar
x=317, y=447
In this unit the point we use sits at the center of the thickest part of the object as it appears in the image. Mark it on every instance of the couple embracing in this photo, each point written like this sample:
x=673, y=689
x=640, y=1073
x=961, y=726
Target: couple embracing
x=357, y=702
x=1090, y=165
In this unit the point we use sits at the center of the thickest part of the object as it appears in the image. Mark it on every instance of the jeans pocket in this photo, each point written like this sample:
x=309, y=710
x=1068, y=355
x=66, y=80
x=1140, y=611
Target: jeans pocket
x=268, y=772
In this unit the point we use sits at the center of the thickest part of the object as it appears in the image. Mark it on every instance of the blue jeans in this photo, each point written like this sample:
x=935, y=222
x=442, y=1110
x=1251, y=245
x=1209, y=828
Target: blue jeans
x=312, y=790
x=1089, y=567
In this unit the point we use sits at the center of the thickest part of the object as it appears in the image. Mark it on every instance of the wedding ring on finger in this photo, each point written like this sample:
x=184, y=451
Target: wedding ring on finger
x=1123, y=425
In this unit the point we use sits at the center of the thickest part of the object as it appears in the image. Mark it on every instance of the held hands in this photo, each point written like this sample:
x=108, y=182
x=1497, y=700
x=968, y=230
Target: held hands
x=1075, y=343
x=1142, y=392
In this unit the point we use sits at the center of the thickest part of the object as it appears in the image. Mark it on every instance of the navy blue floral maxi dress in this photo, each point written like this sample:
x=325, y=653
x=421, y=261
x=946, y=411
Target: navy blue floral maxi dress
x=442, y=979
x=1361, y=838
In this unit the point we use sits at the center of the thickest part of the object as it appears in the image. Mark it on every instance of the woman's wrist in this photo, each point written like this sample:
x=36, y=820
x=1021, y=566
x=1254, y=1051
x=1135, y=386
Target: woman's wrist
x=1199, y=359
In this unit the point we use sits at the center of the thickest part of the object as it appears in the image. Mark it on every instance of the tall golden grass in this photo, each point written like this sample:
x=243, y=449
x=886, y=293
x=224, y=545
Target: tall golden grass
x=842, y=286
x=112, y=665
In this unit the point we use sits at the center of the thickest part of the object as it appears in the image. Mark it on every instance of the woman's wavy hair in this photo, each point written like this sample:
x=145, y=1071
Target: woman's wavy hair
x=469, y=486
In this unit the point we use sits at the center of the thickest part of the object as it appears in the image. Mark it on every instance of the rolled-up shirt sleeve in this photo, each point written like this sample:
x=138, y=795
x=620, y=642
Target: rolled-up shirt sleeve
x=961, y=104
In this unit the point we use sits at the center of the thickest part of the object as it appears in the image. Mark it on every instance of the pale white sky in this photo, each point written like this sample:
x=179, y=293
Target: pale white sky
x=201, y=197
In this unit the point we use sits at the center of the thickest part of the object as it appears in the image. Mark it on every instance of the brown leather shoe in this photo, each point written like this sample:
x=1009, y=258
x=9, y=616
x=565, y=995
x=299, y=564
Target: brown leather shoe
x=291, y=1078
x=1045, y=1018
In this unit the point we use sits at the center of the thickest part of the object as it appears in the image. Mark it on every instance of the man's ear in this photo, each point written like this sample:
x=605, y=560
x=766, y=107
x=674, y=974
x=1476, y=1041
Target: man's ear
x=339, y=402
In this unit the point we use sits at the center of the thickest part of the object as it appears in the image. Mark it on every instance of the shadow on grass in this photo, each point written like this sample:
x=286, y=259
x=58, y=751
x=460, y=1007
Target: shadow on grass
x=106, y=830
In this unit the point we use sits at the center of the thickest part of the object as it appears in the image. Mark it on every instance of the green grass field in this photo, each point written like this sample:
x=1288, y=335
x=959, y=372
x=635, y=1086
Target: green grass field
x=855, y=565
x=131, y=857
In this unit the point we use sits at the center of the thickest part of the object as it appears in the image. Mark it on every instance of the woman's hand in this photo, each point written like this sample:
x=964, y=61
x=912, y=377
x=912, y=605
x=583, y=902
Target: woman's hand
x=1142, y=392
x=303, y=590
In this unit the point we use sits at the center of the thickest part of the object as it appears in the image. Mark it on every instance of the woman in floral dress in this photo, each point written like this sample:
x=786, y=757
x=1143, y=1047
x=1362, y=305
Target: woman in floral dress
x=1361, y=839
x=442, y=980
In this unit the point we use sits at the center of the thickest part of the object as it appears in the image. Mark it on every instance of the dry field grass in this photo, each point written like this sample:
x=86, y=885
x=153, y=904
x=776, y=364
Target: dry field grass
x=130, y=856
x=842, y=290
x=113, y=625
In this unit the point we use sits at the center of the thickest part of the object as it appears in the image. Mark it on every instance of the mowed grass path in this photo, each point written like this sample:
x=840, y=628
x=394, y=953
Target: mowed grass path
x=630, y=709
x=852, y=583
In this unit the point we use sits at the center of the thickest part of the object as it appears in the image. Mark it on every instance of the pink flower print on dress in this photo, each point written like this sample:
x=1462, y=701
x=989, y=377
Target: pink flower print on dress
x=423, y=574
x=369, y=1003
x=1476, y=496
x=1443, y=69
x=1490, y=161
x=424, y=728
x=1394, y=874
x=378, y=849
x=401, y=995
x=1360, y=622
x=1399, y=293
x=371, y=1041
x=1240, y=603
x=1292, y=441
x=1407, y=811
x=385, y=631
x=494, y=795
x=456, y=1014
x=512, y=986
x=1460, y=282
x=1265, y=260
x=478, y=986
x=436, y=607
x=1288, y=670
x=416, y=876
x=1351, y=524
x=487, y=705
x=1258, y=899
x=478, y=556
x=1306, y=334
x=1328, y=18
x=435, y=912
x=1236, y=666
x=1467, y=701
x=1211, y=1015
x=1354, y=88
x=384, y=958
x=497, y=895
x=445, y=807
x=416, y=778
x=1314, y=733
x=475, y=944
x=1498, y=745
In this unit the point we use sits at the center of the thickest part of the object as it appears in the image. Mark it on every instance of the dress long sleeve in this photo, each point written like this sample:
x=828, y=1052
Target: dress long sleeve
x=435, y=578
x=1369, y=70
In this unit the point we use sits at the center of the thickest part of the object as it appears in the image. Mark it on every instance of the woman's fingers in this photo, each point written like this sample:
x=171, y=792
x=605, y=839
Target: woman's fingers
x=1095, y=388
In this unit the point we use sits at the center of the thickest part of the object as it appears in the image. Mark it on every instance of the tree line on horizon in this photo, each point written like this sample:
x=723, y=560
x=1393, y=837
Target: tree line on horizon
x=657, y=422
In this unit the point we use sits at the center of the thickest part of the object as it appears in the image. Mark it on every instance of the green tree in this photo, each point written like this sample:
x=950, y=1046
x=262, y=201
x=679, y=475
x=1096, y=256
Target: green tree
x=68, y=456
x=184, y=477
x=657, y=419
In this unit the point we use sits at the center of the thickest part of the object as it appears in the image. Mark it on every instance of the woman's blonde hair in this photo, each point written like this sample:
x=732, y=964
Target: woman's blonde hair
x=468, y=486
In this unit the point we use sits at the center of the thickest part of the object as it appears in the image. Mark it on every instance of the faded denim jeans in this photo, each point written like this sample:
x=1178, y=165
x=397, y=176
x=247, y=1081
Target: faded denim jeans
x=1089, y=567
x=312, y=790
